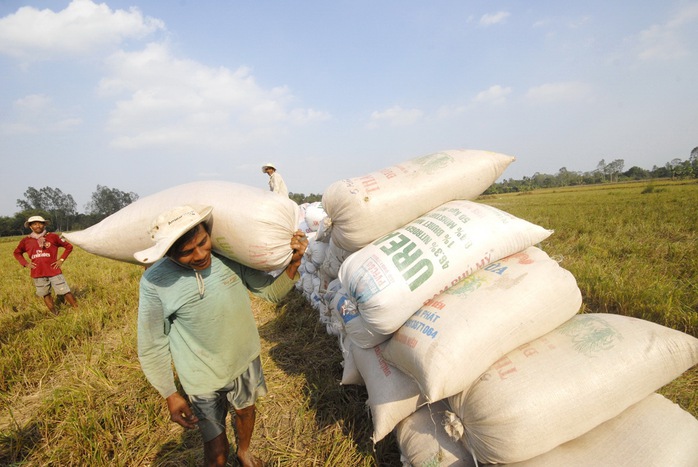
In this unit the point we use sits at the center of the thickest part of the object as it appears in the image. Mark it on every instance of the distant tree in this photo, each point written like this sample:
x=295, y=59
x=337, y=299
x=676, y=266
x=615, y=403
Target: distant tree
x=693, y=159
x=674, y=167
x=614, y=168
x=301, y=198
x=636, y=173
x=685, y=169
x=601, y=168
x=61, y=207
x=106, y=201
x=564, y=176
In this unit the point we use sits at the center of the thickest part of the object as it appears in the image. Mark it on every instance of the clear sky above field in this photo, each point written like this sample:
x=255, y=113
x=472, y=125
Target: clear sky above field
x=142, y=95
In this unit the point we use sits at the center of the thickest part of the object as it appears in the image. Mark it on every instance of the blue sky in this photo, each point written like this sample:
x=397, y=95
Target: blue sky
x=143, y=95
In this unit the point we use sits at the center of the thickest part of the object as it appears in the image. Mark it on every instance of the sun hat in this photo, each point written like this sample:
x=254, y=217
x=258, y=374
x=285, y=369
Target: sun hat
x=35, y=219
x=268, y=164
x=168, y=227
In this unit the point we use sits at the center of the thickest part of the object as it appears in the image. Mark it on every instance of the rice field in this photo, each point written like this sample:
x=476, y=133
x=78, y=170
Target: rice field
x=72, y=393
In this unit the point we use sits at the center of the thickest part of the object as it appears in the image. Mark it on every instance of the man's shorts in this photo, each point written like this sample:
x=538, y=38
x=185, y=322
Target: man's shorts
x=43, y=285
x=212, y=408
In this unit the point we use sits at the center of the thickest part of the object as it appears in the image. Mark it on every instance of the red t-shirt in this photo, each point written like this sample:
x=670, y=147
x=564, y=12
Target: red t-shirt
x=44, y=257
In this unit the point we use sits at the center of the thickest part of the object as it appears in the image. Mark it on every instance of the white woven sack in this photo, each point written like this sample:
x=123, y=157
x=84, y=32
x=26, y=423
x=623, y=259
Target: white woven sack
x=567, y=382
x=423, y=442
x=314, y=214
x=344, y=309
x=392, y=395
x=334, y=257
x=653, y=432
x=456, y=336
x=316, y=252
x=350, y=373
x=393, y=276
x=250, y=225
x=365, y=208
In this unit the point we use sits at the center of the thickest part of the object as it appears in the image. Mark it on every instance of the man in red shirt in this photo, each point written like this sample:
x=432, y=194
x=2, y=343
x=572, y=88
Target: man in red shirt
x=42, y=249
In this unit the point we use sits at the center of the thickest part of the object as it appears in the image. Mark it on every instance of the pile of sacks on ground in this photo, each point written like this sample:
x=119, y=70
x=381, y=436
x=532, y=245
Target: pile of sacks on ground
x=468, y=336
x=464, y=331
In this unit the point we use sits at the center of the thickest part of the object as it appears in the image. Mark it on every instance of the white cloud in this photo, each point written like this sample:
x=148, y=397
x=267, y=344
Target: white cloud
x=395, y=116
x=571, y=91
x=82, y=27
x=494, y=95
x=169, y=101
x=493, y=18
x=37, y=113
x=665, y=41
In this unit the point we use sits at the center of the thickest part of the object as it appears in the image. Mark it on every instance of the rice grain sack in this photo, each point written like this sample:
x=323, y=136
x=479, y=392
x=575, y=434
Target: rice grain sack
x=452, y=339
x=391, y=278
x=344, y=309
x=365, y=208
x=653, y=432
x=392, y=395
x=566, y=383
x=314, y=214
x=423, y=442
x=250, y=225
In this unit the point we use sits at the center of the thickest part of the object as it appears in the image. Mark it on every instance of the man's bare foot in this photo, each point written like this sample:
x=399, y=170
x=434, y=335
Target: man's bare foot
x=248, y=460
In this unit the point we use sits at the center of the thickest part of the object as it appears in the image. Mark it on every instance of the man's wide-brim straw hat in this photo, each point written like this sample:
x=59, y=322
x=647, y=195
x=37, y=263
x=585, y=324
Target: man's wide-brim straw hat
x=268, y=165
x=168, y=227
x=35, y=219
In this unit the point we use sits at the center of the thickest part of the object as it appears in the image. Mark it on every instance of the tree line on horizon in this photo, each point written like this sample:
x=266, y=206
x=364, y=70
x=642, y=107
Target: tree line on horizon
x=61, y=208
x=605, y=172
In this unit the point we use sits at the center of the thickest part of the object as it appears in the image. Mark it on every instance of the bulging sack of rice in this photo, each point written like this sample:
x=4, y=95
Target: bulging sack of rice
x=423, y=442
x=345, y=310
x=393, y=276
x=350, y=373
x=566, y=383
x=314, y=215
x=334, y=257
x=655, y=431
x=315, y=252
x=392, y=395
x=456, y=336
x=250, y=225
x=365, y=208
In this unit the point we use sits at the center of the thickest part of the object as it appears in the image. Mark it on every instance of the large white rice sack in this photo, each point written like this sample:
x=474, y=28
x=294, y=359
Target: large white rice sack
x=344, y=309
x=350, y=373
x=250, y=225
x=567, y=382
x=314, y=215
x=396, y=274
x=334, y=257
x=392, y=395
x=653, y=432
x=365, y=208
x=423, y=442
x=456, y=336
x=315, y=252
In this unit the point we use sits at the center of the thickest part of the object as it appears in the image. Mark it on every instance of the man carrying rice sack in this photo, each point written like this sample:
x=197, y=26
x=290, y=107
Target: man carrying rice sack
x=194, y=310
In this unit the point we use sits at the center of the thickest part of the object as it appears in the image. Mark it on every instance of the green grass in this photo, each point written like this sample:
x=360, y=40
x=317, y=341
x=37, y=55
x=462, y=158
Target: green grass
x=632, y=253
x=72, y=393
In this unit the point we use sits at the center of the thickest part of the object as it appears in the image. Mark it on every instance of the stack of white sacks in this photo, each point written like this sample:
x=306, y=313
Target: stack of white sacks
x=467, y=335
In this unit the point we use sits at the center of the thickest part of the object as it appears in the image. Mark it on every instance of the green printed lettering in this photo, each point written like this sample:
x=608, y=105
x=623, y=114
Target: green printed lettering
x=405, y=258
x=425, y=270
x=394, y=245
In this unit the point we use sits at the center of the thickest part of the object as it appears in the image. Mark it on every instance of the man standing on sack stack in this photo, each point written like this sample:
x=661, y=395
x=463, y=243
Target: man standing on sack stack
x=195, y=310
x=276, y=182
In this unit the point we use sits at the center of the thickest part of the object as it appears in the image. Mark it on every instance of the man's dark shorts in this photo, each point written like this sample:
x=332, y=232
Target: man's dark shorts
x=212, y=408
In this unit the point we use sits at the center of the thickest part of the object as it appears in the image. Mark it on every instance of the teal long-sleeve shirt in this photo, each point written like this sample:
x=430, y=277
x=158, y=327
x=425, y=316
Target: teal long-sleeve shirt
x=213, y=336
